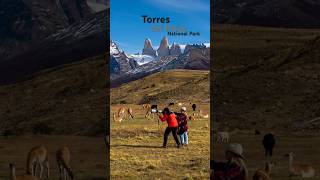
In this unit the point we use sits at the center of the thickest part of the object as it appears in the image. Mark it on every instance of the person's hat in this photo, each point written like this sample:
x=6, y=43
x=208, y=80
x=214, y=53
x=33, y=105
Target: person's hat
x=183, y=108
x=236, y=149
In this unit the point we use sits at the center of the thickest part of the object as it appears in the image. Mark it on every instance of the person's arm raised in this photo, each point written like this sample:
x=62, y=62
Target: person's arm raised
x=163, y=118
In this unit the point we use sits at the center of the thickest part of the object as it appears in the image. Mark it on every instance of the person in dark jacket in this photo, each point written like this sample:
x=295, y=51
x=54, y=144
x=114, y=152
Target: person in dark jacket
x=194, y=106
x=170, y=118
x=183, y=126
x=269, y=143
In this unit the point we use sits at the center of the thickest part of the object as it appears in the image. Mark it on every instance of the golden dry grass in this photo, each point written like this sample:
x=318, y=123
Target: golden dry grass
x=136, y=153
x=88, y=155
x=164, y=86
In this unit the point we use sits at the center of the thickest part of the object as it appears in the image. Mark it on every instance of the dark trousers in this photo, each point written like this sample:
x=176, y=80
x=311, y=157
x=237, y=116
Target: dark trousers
x=268, y=152
x=174, y=133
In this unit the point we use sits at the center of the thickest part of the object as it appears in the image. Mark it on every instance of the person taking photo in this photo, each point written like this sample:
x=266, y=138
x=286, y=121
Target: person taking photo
x=170, y=118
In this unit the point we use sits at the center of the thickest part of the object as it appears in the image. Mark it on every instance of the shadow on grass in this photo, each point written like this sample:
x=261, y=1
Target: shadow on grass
x=135, y=146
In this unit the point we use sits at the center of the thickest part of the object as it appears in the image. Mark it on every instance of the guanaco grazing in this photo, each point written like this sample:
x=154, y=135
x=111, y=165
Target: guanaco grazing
x=206, y=116
x=38, y=156
x=301, y=170
x=149, y=111
x=146, y=106
x=63, y=159
x=13, y=175
x=261, y=174
x=122, y=112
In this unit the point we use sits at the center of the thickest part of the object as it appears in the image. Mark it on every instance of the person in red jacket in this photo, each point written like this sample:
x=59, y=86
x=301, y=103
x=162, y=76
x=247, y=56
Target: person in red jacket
x=170, y=118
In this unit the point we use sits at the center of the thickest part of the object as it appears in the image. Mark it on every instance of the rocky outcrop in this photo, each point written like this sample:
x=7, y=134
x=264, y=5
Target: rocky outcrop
x=164, y=48
x=148, y=49
x=120, y=63
x=193, y=46
x=175, y=50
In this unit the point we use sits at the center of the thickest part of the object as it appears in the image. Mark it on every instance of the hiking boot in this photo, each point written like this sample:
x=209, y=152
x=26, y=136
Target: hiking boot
x=164, y=147
x=179, y=146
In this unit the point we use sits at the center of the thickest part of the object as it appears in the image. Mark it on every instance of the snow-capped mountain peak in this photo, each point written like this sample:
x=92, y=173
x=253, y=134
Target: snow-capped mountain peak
x=114, y=49
x=141, y=58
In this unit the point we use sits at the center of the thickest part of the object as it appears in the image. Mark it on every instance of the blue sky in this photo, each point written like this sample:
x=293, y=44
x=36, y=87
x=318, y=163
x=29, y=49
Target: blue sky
x=129, y=32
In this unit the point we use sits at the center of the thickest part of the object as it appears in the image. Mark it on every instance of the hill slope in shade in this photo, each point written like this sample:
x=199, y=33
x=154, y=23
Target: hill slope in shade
x=275, y=13
x=162, y=87
x=47, y=34
x=278, y=89
x=70, y=99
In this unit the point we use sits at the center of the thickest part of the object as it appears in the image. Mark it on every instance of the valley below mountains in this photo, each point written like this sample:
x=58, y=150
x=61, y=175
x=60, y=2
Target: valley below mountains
x=128, y=67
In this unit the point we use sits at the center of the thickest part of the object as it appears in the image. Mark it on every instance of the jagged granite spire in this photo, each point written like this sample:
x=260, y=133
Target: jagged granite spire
x=164, y=47
x=148, y=49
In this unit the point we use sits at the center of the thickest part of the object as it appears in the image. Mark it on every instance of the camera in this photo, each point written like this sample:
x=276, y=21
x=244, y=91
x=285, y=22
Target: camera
x=156, y=111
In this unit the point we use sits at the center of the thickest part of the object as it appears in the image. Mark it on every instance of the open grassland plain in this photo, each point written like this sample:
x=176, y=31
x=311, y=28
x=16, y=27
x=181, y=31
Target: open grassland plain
x=88, y=155
x=267, y=79
x=305, y=146
x=136, y=151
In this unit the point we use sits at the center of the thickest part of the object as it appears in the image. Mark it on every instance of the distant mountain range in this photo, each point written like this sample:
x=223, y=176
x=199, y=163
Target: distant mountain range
x=275, y=13
x=128, y=67
x=36, y=35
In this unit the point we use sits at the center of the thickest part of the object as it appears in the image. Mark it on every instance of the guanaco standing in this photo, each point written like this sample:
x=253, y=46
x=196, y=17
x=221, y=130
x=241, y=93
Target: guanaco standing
x=13, y=175
x=146, y=106
x=38, y=156
x=63, y=159
x=301, y=170
x=263, y=174
x=122, y=112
